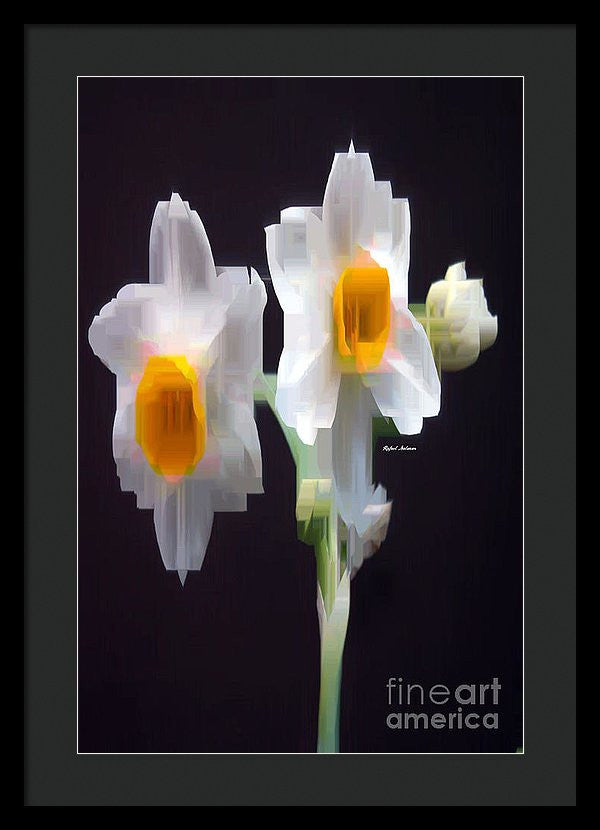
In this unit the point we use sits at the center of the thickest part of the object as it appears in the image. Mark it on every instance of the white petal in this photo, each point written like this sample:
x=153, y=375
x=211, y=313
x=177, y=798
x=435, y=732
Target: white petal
x=306, y=429
x=348, y=206
x=233, y=460
x=124, y=424
x=390, y=245
x=241, y=423
x=127, y=454
x=183, y=518
x=241, y=344
x=488, y=331
x=299, y=260
x=456, y=272
x=409, y=420
x=180, y=254
x=411, y=390
x=400, y=253
x=362, y=507
x=134, y=472
x=307, y=389
x=120, y=333
x=352, y=449
x=288, y=294
x=363, y=543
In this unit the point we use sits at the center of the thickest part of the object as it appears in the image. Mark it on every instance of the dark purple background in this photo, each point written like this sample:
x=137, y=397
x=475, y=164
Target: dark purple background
x=230, y=663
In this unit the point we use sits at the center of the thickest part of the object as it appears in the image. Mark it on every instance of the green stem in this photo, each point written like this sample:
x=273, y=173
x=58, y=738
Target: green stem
x=333, y=636
x=333, y=602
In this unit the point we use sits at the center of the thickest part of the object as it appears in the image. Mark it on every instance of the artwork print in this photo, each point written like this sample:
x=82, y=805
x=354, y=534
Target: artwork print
x=300, y=374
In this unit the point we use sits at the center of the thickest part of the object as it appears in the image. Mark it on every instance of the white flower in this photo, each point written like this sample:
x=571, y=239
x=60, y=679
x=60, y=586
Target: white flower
x=340, y=272
x=352, y=349
x=457, y=319
x=185, y=349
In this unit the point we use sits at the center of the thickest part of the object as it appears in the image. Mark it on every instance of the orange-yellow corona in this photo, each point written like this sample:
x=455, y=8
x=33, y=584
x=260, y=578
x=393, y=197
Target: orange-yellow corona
x=361, y=313
x=170, y=422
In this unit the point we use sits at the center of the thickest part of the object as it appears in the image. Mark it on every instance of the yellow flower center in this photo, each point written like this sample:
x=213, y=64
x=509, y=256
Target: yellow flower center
x=361, y=314
x=170, y=422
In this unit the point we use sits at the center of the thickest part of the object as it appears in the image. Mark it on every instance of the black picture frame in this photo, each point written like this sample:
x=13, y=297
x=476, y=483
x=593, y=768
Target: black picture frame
x=54, y=57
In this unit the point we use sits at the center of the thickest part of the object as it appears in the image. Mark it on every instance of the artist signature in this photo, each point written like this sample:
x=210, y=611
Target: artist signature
x=397, y=448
